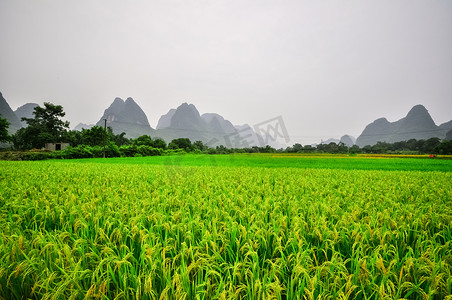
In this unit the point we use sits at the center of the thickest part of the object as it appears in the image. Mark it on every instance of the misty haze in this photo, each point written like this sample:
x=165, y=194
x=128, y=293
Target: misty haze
x=329, y=69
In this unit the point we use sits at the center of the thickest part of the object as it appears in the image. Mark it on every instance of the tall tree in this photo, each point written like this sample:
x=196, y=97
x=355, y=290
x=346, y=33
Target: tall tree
x=45, y=127
x=95, y=136
x=48, y=119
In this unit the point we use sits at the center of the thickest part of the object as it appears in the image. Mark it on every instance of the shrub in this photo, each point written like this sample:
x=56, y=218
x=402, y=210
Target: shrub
x=81, y=151
x=128, y=150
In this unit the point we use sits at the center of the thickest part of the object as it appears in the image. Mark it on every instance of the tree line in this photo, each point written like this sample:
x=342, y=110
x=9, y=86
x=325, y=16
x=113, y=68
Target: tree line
x=47, y=127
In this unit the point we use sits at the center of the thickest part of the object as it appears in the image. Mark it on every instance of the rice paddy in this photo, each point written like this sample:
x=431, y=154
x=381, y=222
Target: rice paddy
x=226, y=227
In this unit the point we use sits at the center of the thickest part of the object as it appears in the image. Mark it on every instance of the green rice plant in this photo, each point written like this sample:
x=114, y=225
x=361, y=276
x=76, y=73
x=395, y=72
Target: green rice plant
x=139, y=229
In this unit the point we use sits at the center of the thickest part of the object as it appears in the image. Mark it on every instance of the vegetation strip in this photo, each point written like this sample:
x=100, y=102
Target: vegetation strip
x=283, y=161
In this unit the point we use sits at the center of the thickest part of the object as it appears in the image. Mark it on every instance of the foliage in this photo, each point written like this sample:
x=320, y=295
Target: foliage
x=199, y=145
x=85, y=151
x=149, y=151
x=222, y=150
x=159, y=143
x=444, y=148
x=432, y=145
x=48, y=119
x=181, y=143
x=146, y=140
x=332, y=148
x=95, y=136
x=80, y=230
x=296, y=148
x=45, y=127
x=118, y=139
x=4, y=136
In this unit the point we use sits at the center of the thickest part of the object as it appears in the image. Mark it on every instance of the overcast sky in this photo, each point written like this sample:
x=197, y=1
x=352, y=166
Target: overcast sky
x=327, y=67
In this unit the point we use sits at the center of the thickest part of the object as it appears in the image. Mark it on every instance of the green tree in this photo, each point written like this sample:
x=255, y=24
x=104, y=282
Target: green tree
x=95, y=136
x=48, y=119
x=267, y=149
x=144, y=140
x=45, y=127
x=430, y=145
x=181, y=143
x=159, y=143
x=222, y=150
x=4, y=136
x=308, y=149
x=354, y=149
x=381, y=147
x=200, y=146
x=73, y=137
x=297, y=148
x=119, y=139
x=445, y=147
x=342, y=148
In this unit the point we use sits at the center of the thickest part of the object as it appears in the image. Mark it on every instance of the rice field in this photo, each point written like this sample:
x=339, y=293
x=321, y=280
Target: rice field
x=226, y=227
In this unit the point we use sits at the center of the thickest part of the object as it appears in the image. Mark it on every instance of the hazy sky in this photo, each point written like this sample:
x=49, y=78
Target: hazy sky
x=327, y=67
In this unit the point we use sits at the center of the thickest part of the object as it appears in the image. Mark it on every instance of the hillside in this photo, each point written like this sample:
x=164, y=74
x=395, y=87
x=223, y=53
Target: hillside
x=7, y=113
x=126, y=116
x=211, y=128
x=417, y=124
x=186, y=122
x=25, y=111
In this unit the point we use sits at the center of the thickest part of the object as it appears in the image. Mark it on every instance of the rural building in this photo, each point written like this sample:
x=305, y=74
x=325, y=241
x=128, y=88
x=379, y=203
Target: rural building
x=56, y=146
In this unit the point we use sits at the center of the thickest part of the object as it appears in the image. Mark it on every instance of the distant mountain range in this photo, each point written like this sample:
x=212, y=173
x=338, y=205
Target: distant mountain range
x=81, y=126
x=347, y=140
x=7, y=113
x=185, y=121
x=418, y=124
x=25, y=111
x=211, y=128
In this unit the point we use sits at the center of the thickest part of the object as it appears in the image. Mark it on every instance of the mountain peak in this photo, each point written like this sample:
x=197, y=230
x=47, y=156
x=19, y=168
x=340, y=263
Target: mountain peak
x=381, y=121
x=7, y=113
x=218, y=123
x=208, y=117
x=118, y=100
x=418, y=124
x=348, y=140
x=187, y=106
x=165, y=120
x=82, y=126
x=26, y=111
x=126, y=117
x=188, y=109
x=418, y=110
x=419, y=107
x=186, y=116
x=418, y=118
